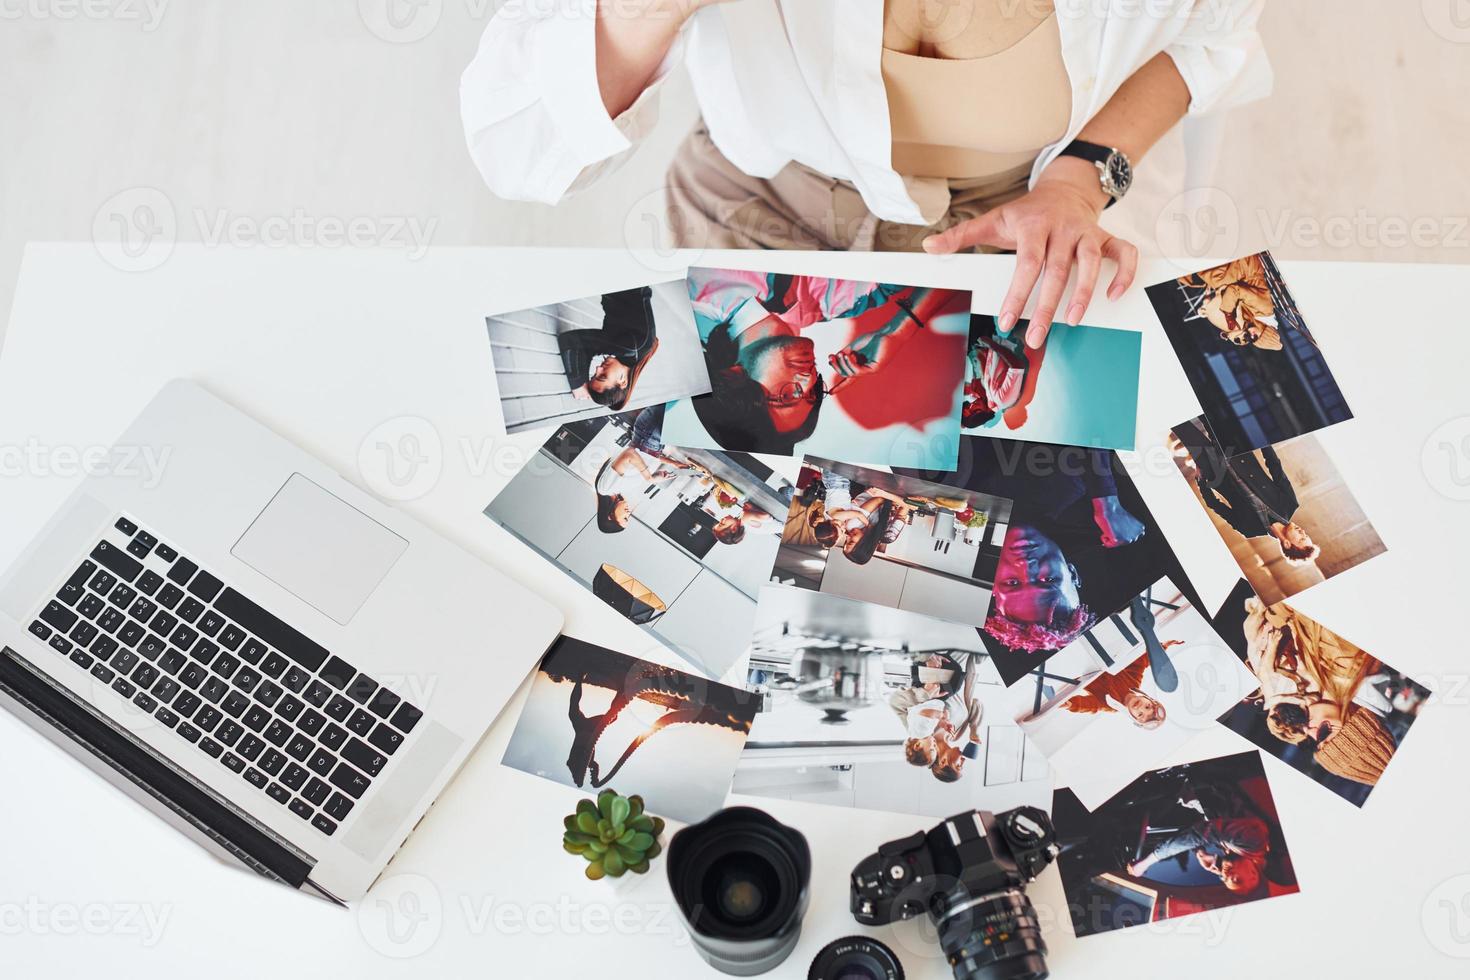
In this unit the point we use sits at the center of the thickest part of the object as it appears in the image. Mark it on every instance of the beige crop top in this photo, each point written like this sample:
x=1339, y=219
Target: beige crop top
x=962, y=117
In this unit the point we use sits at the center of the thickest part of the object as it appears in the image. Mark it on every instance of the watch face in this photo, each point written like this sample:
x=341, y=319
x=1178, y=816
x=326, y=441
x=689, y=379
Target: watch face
x=1117, y=174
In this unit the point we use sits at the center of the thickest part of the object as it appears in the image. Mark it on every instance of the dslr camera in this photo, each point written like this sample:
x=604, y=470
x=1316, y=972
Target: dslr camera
x=969, y=874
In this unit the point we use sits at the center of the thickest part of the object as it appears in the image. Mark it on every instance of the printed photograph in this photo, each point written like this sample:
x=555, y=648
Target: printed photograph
x=677, y=541
x=879, y=709
x=867, y=372
x=1174, y=842
x=597, y=355
x=1284, y=511
x=892, y=540
x=1081, y=545
x=1129, y=692
x=1080, y=389
x=1253, y=364
x=1321, y=704
x=597, y=718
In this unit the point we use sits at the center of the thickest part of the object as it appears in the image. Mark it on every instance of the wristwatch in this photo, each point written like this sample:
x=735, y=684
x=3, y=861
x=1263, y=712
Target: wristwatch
x=1114, y=169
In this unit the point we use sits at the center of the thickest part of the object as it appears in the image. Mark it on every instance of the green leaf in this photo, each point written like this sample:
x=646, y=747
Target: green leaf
x=641, y=868
x=635, y=806
x=654, y=851
x=628, y=854
x=613, y=864
x=604, y=802
x=620, y=810
x=597, y=847
x=627, y=836
x=572, y=848
x=642, y=822
x=570, y=822
x=658, y=826
x=586, y=823
x=641, y=842
x=595, y=870
x=585, y=805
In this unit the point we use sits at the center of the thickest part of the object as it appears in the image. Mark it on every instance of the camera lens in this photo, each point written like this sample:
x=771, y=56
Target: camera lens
x=855, y=958
x=993, y=937
x=740, y=880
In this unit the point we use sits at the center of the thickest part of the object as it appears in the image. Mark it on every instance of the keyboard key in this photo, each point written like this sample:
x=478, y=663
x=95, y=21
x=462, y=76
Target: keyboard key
x=171, y=661
x=90, y=606
x=300, y=808
x=257, y=718
x=166, y=718
x=131, y=633
x=102, y=583
x=190, y=610
x=147, y=539
x=82, y=659
x=338, y=673
x=116, y=561
x=256, y=778
x=294, y=777
x=321, y=762
x=126, y=526
x=272, y=761
x=40, y=630
x=226, y=666
x=317, y=693
x=151, y=646
x=184, y=637
x=295, y=680
x=229, y=733
x=271, y=630
x=324, y=825
x=188, y=731
x=74, y=587
x=316, y=791
x=61, y=644
x=103, y=673
x=123, y=597
x=84, y=633
x=386, y=739
x=250, y=747
x=210, y=747
x=205, y=586
x=277, y=732
x=268, y=693
x=311, y=722
x=166, y=689
x=278, y=793
x=103, y=647
x=145, y=702
x=149, y=582
x=361, y=722
x=145, y=675
x=208, y=717
x=383, y=703
x=246, y=679
x=213, y=689
x=349, y=781
x=168, y=597
x=252, y=651
x=59, y=617
x=289, y=708
x=186, y=704
x=300, y=747
x=274, y=665
x=182, y=571
x=337, y=807
x=123, y=688
x=124, y=661
x=111, y=620
x=139, y=548
x=364, y=757
x=333, y=737
x=211, y=623
x=192, y=675
x=142, y=610
x=165, y=552
x=163, y=624
x=339, y=707
x=231, y=637
x=362, y=688
x=233, y=762
x=235, y=704
x=204, y=651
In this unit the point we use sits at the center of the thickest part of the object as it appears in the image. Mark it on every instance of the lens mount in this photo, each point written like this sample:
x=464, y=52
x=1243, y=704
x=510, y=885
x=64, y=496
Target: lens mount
x=995, y=936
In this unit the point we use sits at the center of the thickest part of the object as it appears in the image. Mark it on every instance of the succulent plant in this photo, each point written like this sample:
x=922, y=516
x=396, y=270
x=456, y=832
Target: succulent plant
x=614, y=835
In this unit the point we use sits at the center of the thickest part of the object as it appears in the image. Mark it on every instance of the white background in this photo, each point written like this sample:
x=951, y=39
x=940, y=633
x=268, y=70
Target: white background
x=347, y=352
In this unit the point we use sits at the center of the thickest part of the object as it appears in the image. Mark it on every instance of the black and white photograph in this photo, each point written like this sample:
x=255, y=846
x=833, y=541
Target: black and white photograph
x=879, y=709
x=1129, y=692
x=1255, y=367
x=1080, y=546
x=596, y=355
x=895, y=541
x=596, y=719
x=1177, y=841
x=677, y=541
x=1320, y=703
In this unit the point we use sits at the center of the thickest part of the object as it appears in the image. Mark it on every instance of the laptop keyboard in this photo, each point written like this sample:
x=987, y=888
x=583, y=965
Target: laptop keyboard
x=247, y=690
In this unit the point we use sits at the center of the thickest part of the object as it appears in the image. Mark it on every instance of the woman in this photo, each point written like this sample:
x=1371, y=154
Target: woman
x=642, y=464
x=1123, y=691
x=604, y=365
x=854, y=124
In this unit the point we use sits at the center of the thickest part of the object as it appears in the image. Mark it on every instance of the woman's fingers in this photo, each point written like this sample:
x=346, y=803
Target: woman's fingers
x=1059, y=255
x=1089, y=262
x=1030, y=258
x=984, y=230
x=1126, y=255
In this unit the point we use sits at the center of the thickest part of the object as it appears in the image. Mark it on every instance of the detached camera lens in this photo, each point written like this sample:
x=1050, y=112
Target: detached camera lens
x=855, y=958
x=740, y=881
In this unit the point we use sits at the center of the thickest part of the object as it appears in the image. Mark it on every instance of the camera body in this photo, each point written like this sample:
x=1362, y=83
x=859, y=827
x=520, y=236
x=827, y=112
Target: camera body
x=969, y=874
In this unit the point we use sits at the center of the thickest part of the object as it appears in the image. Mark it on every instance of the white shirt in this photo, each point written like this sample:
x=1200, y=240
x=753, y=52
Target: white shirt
x=801, y=80
x=631, y=484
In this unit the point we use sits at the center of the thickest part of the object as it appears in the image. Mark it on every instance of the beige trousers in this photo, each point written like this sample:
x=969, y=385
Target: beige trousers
x=711, y=203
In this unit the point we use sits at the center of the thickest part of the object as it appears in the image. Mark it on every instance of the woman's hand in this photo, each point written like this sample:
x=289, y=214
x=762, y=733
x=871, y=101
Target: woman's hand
x=1117, y=525
x=1051, y=229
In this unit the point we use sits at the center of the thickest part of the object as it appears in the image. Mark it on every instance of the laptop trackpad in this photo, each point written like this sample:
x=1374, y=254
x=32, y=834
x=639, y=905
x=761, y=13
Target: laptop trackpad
x=323, y=550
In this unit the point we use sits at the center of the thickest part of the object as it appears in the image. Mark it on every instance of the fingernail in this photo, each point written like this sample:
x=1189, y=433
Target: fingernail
x=1007, y=321
x=1035, y=337
x=1074, y=314
x=931, y=244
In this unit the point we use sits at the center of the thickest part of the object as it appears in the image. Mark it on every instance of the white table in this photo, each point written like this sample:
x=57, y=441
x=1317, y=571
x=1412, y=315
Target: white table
x=349, y=352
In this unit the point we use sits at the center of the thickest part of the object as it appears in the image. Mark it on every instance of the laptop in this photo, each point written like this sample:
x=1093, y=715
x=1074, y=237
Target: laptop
x=284, y=668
